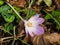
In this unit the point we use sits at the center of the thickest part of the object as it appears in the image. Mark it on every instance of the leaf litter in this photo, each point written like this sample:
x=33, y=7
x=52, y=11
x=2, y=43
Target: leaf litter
x=9, y=17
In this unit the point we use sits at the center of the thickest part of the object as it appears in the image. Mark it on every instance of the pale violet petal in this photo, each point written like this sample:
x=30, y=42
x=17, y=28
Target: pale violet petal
x=36, y=30
x=30, y=30
x=39, y=21
x=26, y=31
x=34, y=17
x=31, y=34
x=25, y=22
x=39, y=30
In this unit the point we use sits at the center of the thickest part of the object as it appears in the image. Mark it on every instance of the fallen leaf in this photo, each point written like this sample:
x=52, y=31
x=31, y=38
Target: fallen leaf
x=52, y=38
x=20, y=3
x=57, y=2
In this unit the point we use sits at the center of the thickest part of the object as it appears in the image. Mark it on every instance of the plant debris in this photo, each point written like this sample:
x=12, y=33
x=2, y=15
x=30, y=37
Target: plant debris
x=20, y=23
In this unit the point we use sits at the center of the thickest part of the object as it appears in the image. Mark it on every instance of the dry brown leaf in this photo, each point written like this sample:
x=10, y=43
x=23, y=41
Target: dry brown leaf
x=20, y=26
x=52, y=38
x=38, y=40
x=46, y=39
x=36, y=8
x=57, y=2
x=26, y=39
x=35, y=40
x=20, y=3
x=51, y=8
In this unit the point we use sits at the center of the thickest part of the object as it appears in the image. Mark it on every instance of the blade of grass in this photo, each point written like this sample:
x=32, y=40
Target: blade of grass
x=30, y=3
x=14, y=35
x=15, y=12
x=29, y=8
x=24, y=42
x=6, y=31
x=53, y=18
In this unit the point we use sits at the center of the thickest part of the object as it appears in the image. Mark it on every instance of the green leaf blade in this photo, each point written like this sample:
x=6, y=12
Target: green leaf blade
x=48, y=2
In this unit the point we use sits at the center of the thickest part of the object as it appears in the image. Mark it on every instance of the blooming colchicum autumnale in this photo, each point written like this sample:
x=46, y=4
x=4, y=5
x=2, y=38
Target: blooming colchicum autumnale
x=32, y=25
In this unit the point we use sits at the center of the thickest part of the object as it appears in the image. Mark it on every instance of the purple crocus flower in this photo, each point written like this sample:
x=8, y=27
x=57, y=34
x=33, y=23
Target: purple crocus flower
x=32, y=25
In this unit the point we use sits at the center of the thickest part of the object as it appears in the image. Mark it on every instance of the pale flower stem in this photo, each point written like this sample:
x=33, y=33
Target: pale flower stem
x=14, y=32
x=30, y=3
x=16, y=12
x=29, y=8
x=14, y=36
x=13, y=42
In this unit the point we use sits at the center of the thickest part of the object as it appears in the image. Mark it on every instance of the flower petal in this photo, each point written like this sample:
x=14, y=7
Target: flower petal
x=29, y=31
x=25, y=26
x=35, y=20
x=38, y=30
x=31, y=34
x=25, y=22
x=26, y=30
x=39, y=21
x=34, y=17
